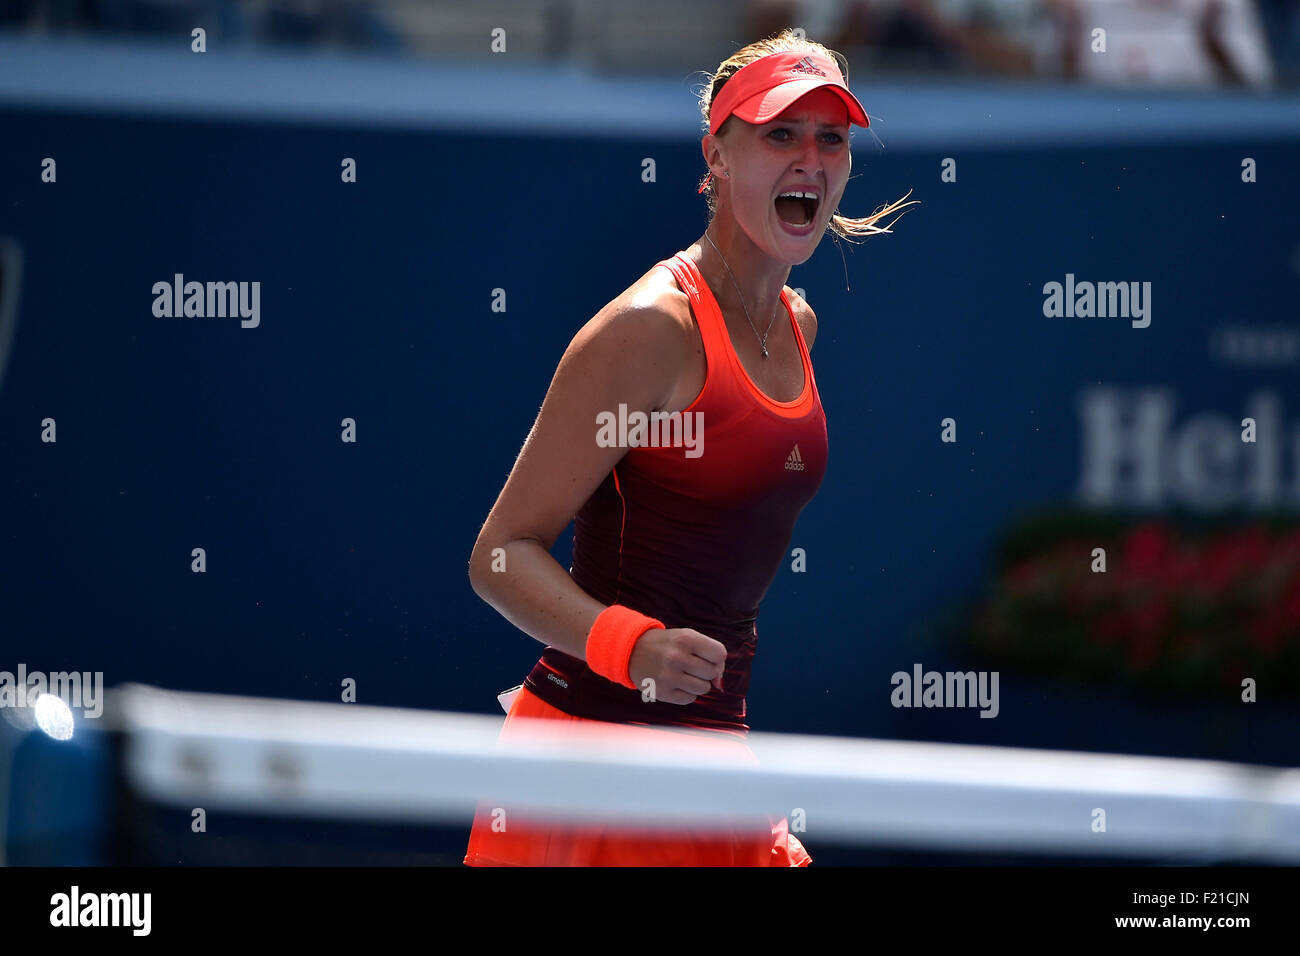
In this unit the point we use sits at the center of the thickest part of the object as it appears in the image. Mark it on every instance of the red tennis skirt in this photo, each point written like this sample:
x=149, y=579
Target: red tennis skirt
x=504, y=839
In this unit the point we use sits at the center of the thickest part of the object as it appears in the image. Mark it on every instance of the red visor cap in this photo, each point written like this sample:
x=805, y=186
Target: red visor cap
x=766, y=88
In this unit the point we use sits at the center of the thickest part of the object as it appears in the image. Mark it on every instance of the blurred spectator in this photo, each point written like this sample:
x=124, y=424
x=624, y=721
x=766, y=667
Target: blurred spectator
x=39, y=13
x=1190, y=43
x=349, y=23
x=1281, y=24
x=1165, y=42
x=1159, y=42
x=914, y=35
x=127, y=16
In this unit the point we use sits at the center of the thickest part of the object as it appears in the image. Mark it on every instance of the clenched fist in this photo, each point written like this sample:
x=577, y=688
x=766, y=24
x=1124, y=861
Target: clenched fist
x=683, y=663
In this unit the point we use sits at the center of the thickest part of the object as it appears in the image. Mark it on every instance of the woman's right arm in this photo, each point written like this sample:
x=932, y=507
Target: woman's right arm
x=628, y=355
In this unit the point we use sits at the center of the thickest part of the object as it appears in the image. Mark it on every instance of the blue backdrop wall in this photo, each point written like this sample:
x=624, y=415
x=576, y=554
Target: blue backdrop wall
x=328, y=560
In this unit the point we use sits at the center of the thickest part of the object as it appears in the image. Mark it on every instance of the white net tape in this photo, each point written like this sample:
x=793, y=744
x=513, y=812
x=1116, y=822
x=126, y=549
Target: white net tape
x=347, y=760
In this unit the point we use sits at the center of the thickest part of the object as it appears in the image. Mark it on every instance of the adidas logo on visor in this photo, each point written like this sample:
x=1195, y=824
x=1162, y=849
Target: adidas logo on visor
x=806, y=65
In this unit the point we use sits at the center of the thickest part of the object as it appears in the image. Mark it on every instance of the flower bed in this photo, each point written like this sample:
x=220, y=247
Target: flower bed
x=1186, y=606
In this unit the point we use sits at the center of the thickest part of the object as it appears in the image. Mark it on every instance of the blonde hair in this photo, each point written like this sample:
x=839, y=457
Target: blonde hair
x=790, y=41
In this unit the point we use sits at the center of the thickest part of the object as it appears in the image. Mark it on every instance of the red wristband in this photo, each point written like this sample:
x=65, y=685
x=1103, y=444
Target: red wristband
x=612, y=637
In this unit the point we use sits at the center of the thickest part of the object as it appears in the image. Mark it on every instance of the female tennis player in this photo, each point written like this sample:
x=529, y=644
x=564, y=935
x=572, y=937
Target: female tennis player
x=675, y=546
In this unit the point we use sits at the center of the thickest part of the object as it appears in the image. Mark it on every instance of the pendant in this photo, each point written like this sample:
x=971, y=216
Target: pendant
x=764, y=352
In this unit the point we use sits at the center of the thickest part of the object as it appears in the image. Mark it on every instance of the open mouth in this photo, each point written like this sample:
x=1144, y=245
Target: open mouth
x=797, y=208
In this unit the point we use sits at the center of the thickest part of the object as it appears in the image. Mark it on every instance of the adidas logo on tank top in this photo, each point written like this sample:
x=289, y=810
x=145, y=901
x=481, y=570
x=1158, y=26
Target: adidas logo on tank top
x=795, y=461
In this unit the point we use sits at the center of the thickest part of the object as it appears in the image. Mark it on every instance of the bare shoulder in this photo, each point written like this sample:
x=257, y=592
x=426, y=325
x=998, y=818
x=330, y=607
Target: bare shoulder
x=804, y=315
x=646, y=332
x=656, y=312
x=657, y=291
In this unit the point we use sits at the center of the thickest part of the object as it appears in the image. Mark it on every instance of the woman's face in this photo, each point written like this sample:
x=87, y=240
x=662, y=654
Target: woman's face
x=806, y=149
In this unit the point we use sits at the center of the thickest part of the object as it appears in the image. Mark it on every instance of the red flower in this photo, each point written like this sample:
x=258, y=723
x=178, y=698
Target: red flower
x=1229, y=557
x=1179, y=569
x=1146, y=548
x=1254, y=548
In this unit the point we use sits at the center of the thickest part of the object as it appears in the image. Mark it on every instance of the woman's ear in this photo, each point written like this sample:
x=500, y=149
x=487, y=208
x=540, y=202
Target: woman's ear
x=713, y=155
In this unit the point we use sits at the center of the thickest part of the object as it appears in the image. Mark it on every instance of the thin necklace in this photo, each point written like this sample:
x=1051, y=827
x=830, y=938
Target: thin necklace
x=763, y=341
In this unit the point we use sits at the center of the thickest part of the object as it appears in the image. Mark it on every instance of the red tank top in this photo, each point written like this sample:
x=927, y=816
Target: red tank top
x=694, y=537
